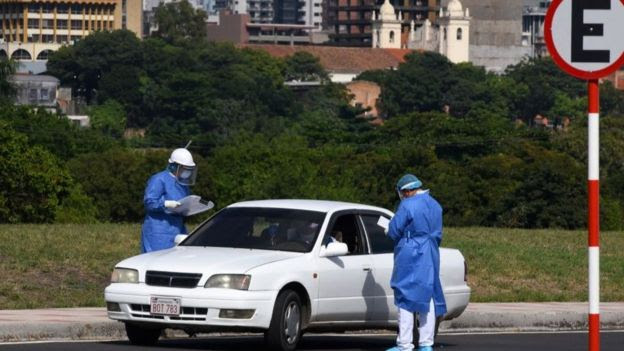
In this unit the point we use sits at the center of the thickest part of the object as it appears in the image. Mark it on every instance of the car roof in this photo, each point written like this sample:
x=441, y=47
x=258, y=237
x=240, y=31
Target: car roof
x=310, y=205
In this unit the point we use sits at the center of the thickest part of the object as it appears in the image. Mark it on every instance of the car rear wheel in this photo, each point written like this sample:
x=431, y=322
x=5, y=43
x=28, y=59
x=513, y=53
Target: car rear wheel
x=142, y=336
x=285, y=329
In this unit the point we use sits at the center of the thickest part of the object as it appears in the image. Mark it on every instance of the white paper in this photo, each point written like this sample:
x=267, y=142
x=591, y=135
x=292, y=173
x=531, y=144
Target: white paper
x=192, y=205
x=383, y=222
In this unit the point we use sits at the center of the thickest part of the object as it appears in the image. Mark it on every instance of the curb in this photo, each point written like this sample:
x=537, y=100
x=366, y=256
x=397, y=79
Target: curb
x=92, y=324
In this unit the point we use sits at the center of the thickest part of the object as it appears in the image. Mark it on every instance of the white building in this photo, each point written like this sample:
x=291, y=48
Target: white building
x=450, y=37
x=387, y=28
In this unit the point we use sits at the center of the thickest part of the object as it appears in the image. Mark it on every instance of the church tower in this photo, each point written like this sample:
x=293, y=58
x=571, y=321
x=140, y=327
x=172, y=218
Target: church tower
x=454, y=32
x=386, y=28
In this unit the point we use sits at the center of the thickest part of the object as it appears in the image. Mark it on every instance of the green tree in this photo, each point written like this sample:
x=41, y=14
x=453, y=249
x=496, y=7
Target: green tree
x=305, y=67
x=7, y=90
x=55, y=133
x=88, y=63
x=33, y=183
x=180, y=21
x=544, y=81
x=418, y=84
x=109, y=118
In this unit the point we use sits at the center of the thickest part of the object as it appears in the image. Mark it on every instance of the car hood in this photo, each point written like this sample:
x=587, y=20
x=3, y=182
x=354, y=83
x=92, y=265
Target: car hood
x=205, y=260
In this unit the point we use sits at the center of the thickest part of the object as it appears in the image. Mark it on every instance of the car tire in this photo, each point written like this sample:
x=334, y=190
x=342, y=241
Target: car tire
x=142, y=336
x=285, y=329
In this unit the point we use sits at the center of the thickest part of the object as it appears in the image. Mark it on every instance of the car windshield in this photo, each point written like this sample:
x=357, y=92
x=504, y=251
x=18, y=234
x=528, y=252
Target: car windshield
x=260, y=228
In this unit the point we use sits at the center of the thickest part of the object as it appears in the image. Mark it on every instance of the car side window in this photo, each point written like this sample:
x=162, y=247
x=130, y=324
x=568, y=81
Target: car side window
x=346, y=230
x=380, y=243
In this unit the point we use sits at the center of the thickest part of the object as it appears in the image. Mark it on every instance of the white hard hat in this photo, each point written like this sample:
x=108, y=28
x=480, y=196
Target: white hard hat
x=183, y=157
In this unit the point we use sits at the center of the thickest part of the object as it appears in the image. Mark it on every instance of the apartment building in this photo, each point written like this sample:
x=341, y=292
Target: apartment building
x=31, y=29
x=349, y=21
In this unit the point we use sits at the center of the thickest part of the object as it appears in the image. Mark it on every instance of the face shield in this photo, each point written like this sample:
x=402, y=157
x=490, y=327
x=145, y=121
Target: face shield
x=185, y=175
x=400, y=195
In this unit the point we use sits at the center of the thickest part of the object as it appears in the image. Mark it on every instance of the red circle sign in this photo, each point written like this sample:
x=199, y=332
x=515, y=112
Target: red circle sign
x=582, y=40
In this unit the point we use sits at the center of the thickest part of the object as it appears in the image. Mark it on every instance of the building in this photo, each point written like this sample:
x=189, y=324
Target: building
x=350, y=21
x=450, y=37
x=35, y=90
x=533, y=18
x=617, y=79
x=32, y=29
x=240, y=29
x=496, y=33
x=342, y=64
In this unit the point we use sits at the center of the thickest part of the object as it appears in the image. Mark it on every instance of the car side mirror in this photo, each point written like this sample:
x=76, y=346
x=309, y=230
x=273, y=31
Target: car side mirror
x=179, y=238
x=334, y=249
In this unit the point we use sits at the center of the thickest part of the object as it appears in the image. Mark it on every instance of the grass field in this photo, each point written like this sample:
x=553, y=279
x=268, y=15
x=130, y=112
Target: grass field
x=69, y=265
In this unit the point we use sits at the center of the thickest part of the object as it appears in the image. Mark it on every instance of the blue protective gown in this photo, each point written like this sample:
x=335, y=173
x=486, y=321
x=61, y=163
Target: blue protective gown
x=416, y=229
x=160, y=226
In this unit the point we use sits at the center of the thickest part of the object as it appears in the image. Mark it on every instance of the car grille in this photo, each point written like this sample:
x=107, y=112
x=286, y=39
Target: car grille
x=172, y=279
x=187, y=313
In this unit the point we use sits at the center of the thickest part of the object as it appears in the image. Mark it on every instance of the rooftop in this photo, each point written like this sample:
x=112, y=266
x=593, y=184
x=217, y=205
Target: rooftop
x=341, y=59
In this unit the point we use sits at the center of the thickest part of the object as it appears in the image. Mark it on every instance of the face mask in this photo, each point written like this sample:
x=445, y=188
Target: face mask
x=185, y=174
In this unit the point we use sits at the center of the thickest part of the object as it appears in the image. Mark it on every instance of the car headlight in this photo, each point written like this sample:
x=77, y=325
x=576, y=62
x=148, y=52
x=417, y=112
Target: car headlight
x=229, y=281
x=125, y=275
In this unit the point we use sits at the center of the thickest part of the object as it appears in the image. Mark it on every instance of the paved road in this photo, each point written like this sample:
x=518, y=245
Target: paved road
x=611, y=341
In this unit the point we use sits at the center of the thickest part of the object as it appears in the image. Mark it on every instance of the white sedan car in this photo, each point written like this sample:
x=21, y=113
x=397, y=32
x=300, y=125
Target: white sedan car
x=277, y=266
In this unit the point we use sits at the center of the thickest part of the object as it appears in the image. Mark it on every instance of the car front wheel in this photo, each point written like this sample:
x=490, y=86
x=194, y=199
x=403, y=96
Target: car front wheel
x=285, y=329
x=142, y=336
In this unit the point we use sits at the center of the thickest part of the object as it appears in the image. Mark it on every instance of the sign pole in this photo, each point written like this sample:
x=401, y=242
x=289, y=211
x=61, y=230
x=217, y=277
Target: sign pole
x=583, y=39
x=593, y=225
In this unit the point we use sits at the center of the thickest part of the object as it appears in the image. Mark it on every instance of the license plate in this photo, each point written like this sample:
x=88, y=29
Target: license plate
x=165, y=306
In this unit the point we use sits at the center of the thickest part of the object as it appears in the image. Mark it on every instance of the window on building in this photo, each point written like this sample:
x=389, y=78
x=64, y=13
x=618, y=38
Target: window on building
x=444, y=34
x=34, y=8
x=61, y=39
x=392, y=36
x=47, y=38
x=76, y=9
x=21, y=54
x=124, y=20
x=33, y=23
x=44, y=94
x=76, y=24
x=62, y=8
x=47, y=24
x=32, y=95
x=44, y=55
x=35, y=38
x=459, y=34
x=47, y=8
x=61, y=24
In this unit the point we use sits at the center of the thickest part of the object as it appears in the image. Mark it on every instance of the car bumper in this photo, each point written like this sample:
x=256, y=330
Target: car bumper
x=200, y=307
x=456, y=301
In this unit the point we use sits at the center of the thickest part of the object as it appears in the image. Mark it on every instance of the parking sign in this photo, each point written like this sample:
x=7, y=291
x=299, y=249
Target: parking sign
x=586, y=37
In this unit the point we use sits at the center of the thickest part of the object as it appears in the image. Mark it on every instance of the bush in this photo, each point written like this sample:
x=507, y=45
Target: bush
x=116, y=180
x=33, y=183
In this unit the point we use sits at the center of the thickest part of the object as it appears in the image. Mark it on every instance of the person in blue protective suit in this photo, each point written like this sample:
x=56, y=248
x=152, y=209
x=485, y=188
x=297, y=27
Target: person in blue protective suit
x=416, y=229
x=162, y=193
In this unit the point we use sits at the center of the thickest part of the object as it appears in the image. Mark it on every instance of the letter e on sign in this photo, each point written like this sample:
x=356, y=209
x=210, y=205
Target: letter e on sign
x=586, y=37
